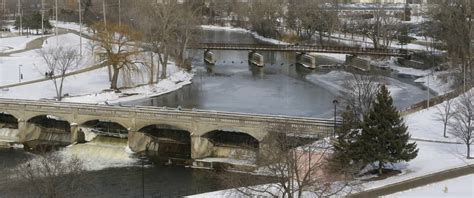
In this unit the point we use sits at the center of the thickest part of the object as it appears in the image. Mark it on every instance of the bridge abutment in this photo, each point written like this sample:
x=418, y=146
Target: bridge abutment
x=138, y=141
x=201, y=147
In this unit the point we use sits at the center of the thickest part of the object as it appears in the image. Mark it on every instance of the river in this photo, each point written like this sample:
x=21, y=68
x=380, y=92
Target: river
x=279, y=88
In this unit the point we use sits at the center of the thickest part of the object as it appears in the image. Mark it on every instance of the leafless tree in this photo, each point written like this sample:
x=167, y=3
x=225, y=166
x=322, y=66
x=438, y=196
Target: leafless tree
x=59, y=62
x=306, y=17
x=362, y=91
x=47, y=175
x=445, y=114
x=294, y=168
x=117, y=46
x=169, y=28
x=381, y=29
x=456, y=31
x=263, y=17
x=461, y=123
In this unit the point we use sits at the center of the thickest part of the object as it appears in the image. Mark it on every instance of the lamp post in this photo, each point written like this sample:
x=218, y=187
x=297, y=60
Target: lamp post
x=143, y=157
x=335, y=102
x=20, y=76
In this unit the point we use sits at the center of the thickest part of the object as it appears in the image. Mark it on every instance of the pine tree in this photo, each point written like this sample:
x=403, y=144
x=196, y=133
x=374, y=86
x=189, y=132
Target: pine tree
x=384, y=137
x=345, y=154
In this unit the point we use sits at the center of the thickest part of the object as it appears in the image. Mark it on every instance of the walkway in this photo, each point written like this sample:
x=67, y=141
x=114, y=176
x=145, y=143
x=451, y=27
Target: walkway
x=79, y=71
x=35, y=44
x=302, y=48
x=416, y=182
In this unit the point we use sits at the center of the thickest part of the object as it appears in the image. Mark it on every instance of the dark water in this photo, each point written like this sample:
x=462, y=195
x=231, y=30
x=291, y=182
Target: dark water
x=154, y=180
x=280, y=87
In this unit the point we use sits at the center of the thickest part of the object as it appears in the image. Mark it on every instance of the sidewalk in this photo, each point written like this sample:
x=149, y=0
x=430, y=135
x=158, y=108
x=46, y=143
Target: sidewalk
x=415, y=182
x=87, y=69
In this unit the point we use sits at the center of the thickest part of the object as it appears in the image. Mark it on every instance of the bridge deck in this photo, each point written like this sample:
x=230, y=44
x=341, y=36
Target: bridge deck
x=302, y=48
x=38, y=105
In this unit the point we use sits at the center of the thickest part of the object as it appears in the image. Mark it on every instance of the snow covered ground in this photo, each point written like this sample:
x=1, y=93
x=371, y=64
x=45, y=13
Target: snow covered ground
x=457, y=187
x=10, y=44
x=86, y=87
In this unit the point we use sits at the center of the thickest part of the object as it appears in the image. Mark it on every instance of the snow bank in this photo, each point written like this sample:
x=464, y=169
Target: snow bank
x=174, y=82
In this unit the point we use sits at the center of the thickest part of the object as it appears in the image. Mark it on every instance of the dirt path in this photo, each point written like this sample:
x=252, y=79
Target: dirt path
x=416, y=182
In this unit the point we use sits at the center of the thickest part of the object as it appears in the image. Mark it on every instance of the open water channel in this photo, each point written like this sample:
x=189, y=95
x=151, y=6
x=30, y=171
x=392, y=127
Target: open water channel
x=280, y=87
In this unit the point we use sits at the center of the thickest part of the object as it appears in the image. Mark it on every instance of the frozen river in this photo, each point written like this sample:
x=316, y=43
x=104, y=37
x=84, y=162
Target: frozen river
x=280, y=87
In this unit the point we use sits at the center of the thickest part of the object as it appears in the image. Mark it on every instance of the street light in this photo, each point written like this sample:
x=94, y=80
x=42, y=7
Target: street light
x=335, y=102
x=20, y=76
x=143, y=157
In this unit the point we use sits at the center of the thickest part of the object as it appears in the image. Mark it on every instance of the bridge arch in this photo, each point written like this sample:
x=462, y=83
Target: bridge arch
x=64, y=117
x=50, y=121
x=124, y=123
x=231, y=137
x=104, y=127
x=15, y=114
x=167, y=141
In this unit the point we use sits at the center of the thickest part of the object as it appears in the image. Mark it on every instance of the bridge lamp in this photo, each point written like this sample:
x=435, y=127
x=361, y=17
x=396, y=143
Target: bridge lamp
x=335, y=102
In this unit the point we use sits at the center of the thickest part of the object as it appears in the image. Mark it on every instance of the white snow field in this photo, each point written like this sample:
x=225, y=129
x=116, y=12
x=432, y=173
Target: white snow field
x=10, y=44
x=32, y=64
x=461, y=187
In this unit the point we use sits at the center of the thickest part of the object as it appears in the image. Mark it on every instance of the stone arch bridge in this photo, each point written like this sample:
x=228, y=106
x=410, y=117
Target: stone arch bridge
x=196, y=122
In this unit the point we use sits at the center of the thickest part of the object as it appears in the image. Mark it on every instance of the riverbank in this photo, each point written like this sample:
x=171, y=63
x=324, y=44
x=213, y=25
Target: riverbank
x=91, y=86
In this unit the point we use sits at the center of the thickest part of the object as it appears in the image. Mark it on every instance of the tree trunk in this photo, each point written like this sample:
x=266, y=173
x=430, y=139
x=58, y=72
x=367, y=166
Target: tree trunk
x=380, y=168
x=152, y=73
x=444, y=132
x=113, y=83
x=468, y=150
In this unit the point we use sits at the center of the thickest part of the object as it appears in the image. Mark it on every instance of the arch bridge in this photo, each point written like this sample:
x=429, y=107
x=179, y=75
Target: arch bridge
x=201, y=125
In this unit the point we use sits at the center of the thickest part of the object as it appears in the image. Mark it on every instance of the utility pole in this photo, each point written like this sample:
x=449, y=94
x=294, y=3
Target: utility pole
x=57, y=20
x=42, y=17
x=21, y=17
x=120, y=13
x=80, y=28
x=103, y=11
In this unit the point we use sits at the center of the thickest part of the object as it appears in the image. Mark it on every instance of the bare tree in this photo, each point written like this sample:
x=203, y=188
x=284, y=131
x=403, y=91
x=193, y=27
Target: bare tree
x=264, y=16
x=59, y=62
x=295, y=168
x=456, y=31
x=445, y=114
x=117, y=47
x=381, y=29
x=461, y=123
x=47, y=175
x=306, y=17
x=362, y=92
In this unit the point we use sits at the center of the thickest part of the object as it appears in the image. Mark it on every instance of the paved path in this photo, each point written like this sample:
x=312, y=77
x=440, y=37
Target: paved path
x=94, y=67
x=35, y=43
x=416, y=182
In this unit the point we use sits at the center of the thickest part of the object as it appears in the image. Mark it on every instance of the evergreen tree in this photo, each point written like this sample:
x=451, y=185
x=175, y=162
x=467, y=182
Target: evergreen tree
x=33, y=21
x=346, y=154
x=384, y=137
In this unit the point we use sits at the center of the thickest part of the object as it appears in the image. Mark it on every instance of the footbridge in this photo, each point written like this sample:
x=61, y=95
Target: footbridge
x=197, y=125
x=303, y=52
x=302, y=49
